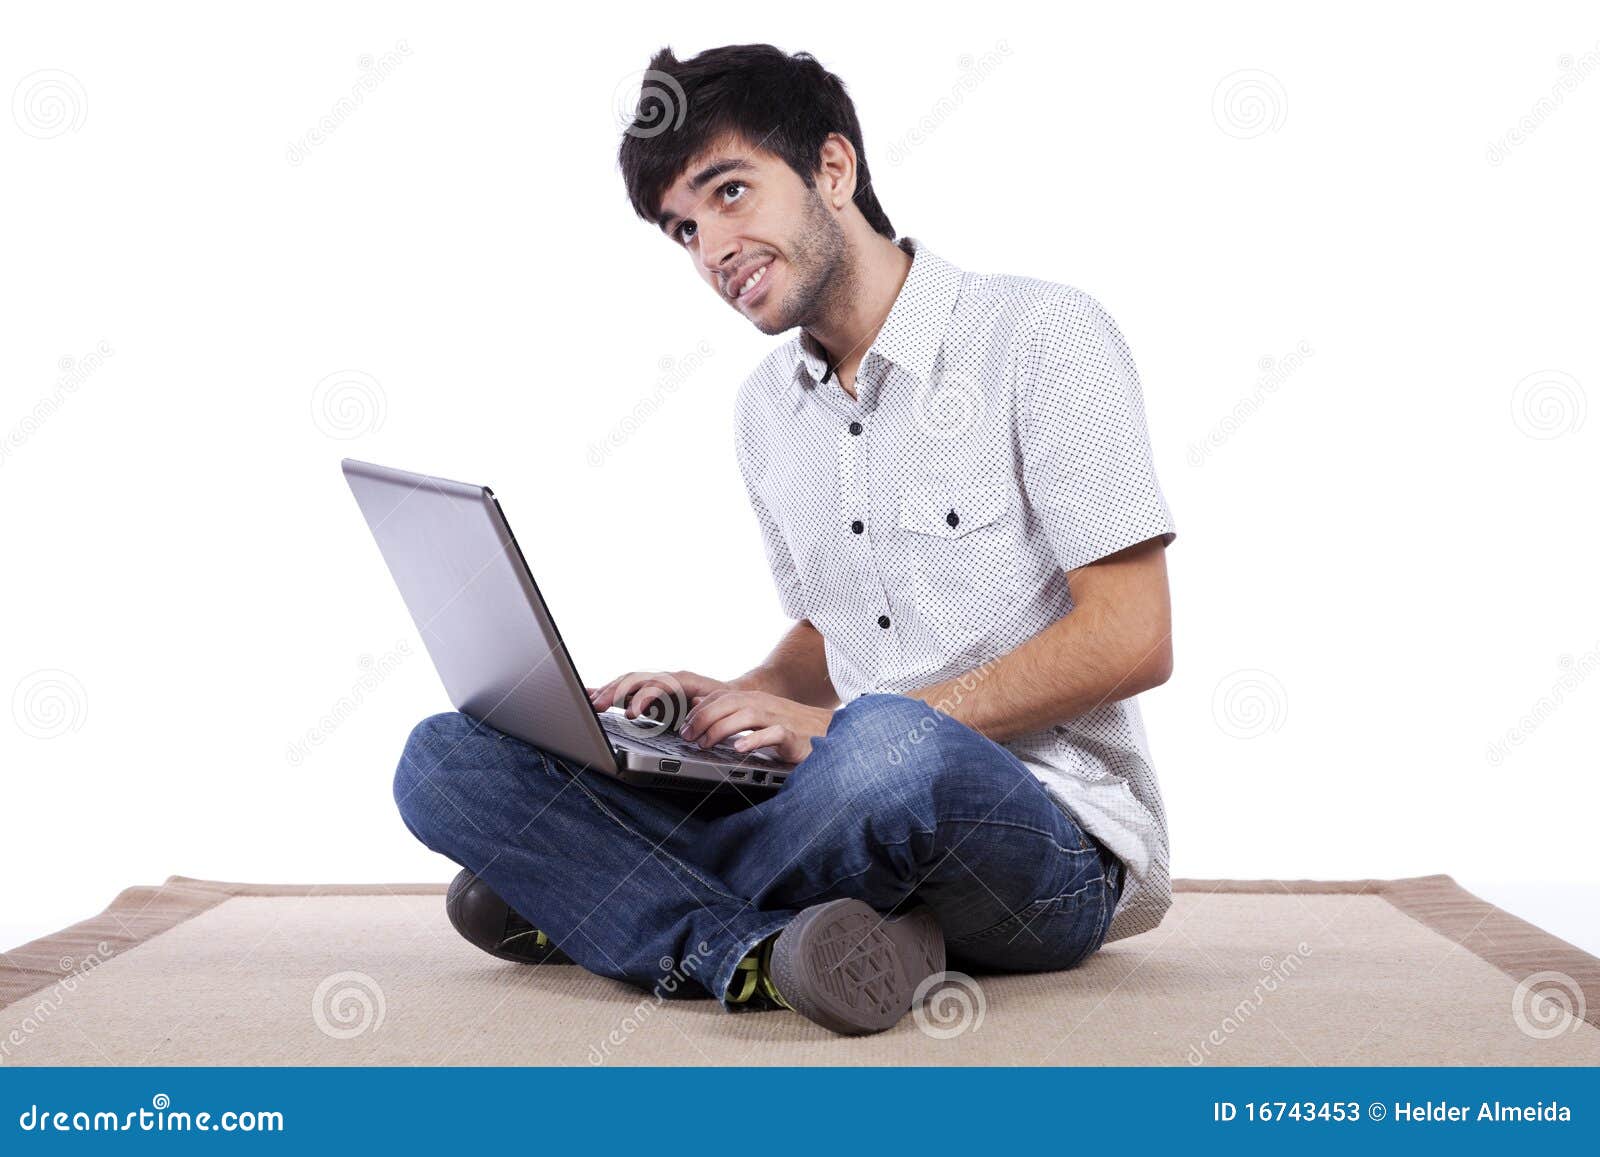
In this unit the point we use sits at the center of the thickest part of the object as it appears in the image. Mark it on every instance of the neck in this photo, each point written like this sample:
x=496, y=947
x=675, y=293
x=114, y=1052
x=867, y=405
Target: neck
x=880, y=269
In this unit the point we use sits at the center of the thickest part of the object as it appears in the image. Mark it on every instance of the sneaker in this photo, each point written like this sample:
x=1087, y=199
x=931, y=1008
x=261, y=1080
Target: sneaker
x=488, y=922
x=844, y=966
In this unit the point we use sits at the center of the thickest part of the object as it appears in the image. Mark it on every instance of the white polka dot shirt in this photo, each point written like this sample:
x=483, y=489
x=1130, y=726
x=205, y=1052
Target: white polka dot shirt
x=925, y=527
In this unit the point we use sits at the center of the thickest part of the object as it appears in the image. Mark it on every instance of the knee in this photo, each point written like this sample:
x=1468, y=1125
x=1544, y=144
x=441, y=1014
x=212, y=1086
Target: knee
x=426, y=765
x=905, y=750
x=887, y=742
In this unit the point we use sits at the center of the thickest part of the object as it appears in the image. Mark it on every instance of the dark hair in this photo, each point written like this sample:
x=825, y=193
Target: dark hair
x=785, y=104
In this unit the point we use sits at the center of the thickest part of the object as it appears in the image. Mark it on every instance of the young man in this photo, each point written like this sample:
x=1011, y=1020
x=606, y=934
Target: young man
x=952, y=477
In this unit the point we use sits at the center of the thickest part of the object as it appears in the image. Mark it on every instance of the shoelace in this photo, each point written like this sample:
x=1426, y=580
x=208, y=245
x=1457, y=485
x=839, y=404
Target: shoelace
x=754, y=974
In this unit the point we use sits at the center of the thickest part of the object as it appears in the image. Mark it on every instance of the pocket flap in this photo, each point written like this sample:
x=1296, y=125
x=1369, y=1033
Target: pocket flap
x=952, y=510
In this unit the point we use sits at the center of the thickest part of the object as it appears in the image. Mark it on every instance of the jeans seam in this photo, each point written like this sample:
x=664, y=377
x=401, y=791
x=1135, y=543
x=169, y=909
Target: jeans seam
x=802, y=901
x=992, y=823
x=1030, y=906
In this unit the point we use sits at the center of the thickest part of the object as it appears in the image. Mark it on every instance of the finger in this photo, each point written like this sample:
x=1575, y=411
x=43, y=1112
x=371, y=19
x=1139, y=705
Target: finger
x=650, y=693
x=627, y=691
x=603, y=696
x=764, y=737
x=731, y=724
x=712, y=707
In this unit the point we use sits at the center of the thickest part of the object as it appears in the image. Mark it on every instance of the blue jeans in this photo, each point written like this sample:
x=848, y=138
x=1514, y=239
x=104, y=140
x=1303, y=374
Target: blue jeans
x=668, y=890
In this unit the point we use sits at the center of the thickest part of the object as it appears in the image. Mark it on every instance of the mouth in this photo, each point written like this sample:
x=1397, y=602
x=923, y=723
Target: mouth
x=752, y=286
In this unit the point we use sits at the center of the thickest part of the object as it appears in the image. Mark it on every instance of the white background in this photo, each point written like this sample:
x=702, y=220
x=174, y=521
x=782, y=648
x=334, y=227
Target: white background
x=1379, y=573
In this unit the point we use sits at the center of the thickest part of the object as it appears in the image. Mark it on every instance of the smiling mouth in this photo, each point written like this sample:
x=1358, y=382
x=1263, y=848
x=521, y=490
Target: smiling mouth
x=752, y=281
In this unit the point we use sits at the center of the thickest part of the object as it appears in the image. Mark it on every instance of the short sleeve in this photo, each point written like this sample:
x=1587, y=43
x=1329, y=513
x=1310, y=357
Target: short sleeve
x=1087, y=467
x=750, y=445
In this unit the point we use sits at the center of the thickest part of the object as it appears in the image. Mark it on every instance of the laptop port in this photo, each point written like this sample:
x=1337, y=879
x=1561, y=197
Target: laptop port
x=778, y=780
x=736, y=774
x=758, y=777
x=671, y=764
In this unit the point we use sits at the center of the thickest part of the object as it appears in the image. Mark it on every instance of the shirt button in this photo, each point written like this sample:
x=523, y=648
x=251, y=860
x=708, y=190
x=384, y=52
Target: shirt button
x=857, y=526
x=855, y=427
x=883, y=621
x=952, y=519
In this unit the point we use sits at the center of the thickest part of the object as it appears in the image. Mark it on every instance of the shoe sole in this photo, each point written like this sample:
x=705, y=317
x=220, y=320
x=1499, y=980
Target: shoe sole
x=846, y=967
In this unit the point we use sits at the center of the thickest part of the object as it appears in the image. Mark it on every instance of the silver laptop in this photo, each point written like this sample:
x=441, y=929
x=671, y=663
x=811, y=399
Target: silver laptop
x=496, y=646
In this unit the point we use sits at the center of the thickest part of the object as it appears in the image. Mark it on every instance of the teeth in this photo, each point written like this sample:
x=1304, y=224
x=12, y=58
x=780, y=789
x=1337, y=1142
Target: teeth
x=753, y=279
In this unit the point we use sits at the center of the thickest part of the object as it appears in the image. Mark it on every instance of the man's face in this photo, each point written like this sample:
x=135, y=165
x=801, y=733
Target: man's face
x=761, y=237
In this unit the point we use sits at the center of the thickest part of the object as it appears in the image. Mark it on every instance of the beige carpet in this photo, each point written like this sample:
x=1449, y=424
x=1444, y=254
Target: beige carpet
x=1242, y=972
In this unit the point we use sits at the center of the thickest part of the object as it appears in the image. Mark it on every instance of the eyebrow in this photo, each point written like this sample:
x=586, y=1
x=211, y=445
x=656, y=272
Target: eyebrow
x=712, y=171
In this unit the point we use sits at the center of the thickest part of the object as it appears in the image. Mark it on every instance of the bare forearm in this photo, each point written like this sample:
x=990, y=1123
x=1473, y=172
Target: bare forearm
x=796, y=669
x=1071, y=667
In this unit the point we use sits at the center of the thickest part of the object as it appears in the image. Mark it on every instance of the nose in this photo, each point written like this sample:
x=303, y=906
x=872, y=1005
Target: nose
x=719, y=253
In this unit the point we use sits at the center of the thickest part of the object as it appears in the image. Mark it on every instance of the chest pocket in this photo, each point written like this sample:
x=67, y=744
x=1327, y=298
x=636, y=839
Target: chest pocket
x=953, y=510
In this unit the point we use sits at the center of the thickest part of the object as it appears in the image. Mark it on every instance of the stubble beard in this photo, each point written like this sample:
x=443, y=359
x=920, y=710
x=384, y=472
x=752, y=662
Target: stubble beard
x=823, y=273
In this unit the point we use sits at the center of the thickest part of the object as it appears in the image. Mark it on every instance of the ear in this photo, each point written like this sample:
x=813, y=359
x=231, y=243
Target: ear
x=836, y=172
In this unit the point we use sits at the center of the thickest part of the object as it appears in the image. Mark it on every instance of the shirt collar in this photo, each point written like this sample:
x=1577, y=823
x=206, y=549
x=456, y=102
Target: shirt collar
x=911, y=335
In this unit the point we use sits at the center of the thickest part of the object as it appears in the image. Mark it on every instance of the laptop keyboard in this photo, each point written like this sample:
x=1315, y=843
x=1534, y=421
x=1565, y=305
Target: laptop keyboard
x=667, y=742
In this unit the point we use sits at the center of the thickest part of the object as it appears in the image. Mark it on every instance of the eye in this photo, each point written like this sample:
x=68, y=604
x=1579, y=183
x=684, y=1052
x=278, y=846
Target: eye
x=728, y=191
x=684, y=232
